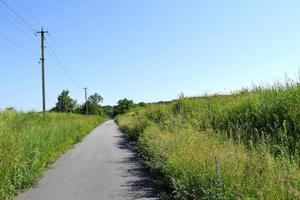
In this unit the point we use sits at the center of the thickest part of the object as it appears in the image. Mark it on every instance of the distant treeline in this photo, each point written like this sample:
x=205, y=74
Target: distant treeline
x=93, y=105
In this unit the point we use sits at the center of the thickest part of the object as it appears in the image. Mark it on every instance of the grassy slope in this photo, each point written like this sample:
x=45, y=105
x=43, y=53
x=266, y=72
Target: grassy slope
x=242, y=146
x=29, y=143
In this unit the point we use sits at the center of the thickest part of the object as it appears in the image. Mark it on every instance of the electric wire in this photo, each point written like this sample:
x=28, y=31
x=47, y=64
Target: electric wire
x=17, y=27
x=62, y=66
x=17, y=51
x=16, y=44
x=27, y=25
x=35, y=19
x=54, y=56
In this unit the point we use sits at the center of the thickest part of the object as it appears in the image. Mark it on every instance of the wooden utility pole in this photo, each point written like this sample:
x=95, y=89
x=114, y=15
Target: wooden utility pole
x=86, y=103
x=42, y=33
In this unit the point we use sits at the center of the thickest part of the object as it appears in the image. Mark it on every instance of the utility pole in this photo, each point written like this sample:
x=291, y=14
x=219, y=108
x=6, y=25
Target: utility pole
x=86, y=104
x=42, y=59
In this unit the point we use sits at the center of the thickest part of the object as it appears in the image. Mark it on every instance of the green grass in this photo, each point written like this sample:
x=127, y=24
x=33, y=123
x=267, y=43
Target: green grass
x=240, y=146
x=29, y=143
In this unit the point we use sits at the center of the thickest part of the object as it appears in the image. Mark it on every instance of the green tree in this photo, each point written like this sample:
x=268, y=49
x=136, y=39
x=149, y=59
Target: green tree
x=93, y=104
x=141, y=104
x=95, y=99
x=123, y=106
x=64, y=102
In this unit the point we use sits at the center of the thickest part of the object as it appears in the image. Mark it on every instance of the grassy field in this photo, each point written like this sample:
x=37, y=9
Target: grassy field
x=29, y=143
x=240, y=146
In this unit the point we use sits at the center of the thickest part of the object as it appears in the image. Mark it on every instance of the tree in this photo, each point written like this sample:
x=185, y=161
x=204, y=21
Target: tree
x=64, y=102
x=141, y=104
x=123, y=106
x=95, y=99
x=93, y=104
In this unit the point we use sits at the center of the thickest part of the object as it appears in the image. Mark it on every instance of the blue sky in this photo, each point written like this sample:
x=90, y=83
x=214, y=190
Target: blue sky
x=146, y=50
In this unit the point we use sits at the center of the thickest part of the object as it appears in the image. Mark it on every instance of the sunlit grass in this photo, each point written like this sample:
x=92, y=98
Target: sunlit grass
x=240, y=146
x=30, y=142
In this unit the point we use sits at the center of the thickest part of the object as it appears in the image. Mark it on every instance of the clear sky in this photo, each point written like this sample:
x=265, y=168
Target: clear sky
x=146, y=50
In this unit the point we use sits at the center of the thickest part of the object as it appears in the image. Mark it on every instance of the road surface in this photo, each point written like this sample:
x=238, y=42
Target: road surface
x=101, y=167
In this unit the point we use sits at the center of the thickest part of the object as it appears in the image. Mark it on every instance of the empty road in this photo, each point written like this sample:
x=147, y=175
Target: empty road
x=101, y=167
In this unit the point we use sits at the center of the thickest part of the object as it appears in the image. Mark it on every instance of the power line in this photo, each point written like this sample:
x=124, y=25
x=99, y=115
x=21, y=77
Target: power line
x=21, y=22
x=27, y=25
x=62, y=66
x=17, y=52
x=14, y=43
x=29, y=28
x=17, y=27
x=35, y=19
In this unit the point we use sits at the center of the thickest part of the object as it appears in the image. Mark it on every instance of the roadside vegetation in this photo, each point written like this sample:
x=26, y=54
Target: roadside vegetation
x=29, y=143
x=240, y=146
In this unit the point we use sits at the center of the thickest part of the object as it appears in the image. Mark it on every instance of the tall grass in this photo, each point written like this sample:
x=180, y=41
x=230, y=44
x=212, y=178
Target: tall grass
x=29, y=143
x=240, y=146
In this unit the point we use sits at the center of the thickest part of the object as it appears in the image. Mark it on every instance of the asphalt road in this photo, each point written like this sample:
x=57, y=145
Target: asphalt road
x=101, y=167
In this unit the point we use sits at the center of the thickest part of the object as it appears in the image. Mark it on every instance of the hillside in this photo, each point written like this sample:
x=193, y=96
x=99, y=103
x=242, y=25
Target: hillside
x=240, y=146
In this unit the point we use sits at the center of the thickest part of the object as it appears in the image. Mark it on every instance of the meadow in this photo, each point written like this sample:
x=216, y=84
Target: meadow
x=29, y=143
x=245, y=145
